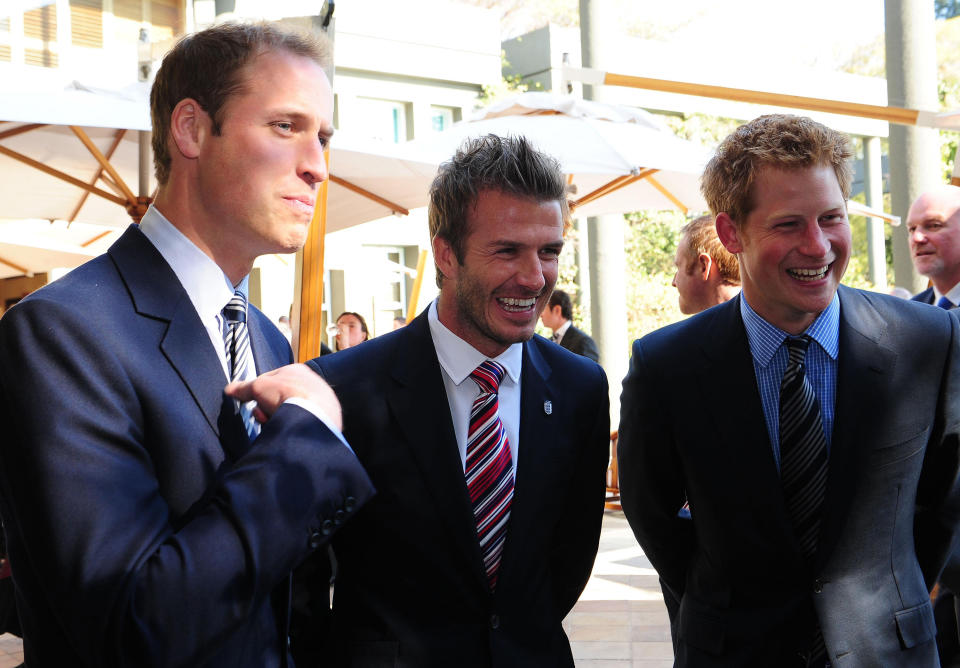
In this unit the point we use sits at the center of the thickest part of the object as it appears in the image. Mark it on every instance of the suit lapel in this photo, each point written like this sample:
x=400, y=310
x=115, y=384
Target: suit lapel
x=419, y=402
x=537, y=433
x=739, y=422
x=862, y=366
x=156, y=293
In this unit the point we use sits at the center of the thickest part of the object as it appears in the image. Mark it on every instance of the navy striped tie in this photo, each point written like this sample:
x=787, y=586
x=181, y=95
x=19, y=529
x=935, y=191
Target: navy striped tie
x=236, y=342
x=803, y=464
x=489, y=468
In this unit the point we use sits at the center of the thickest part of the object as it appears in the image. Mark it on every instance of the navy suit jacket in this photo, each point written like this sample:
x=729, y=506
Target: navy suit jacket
x=926, y=296
x=579, y=342
x=143, y=528
x=411, y=589
x=692, y=426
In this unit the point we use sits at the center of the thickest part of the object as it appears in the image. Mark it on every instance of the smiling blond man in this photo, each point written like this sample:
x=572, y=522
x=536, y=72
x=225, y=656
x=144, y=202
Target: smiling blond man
x=823, y=481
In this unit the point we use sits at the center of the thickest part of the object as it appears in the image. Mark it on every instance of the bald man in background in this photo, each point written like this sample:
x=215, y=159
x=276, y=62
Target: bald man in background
x=933, y=225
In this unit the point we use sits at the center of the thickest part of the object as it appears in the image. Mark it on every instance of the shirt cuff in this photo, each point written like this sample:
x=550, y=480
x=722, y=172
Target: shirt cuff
x=320, y=415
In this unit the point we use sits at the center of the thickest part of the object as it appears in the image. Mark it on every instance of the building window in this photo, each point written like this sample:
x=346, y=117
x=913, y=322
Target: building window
x=442, y=118
x=385, y=120
x=40, y=33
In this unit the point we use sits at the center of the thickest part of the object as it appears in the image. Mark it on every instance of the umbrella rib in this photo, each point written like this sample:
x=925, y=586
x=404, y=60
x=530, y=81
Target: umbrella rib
x=613, y=186
x=666, y=193
x=95, y=239
x=95, y=152
x=395, y=208
x=61, y=175
x=83, y=198
x=20, y=130
x=22, y=270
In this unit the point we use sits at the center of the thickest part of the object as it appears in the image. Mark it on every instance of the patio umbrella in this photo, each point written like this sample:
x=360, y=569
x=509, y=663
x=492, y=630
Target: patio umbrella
x=35, y=246
x=618, y=158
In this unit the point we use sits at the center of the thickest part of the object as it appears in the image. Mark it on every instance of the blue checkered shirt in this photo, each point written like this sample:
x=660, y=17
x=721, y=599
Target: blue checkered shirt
x=770, y=361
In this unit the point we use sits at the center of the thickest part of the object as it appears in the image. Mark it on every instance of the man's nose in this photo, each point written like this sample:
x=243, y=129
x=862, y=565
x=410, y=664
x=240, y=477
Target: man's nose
x=313, y=163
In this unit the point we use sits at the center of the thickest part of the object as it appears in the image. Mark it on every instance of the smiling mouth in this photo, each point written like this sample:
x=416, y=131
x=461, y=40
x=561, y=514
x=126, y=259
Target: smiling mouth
x=816, y=274
x=515, y=305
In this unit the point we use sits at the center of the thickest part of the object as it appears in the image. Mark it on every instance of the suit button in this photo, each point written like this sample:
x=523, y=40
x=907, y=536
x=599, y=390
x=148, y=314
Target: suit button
x=349, y=504
x=494, y=621
x=338, y=517
x=327, y=527
x=817, y=586
x=315, y=540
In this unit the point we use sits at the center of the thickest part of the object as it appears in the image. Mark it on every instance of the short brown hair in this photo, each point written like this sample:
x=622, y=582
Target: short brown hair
x=780, y=141
x=207, y=66
x=507, y=164
x=700, y=236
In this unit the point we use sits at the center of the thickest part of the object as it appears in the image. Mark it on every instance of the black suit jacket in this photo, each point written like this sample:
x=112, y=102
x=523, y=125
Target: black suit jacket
x=579, y=342
x=143, y=529
x=692, y=426
x=411, y=589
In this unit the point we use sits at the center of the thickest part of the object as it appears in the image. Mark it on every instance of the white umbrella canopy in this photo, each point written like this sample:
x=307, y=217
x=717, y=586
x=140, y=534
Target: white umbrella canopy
x=620, y=159
x=36, y=246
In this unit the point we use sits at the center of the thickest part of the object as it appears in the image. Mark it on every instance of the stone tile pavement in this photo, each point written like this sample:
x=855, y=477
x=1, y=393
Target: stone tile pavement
x=619, y=622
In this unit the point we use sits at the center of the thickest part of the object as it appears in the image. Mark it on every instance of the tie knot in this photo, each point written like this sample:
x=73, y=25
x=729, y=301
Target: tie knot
x=797, y=348
x=488, y=376
x=943, y=302
x=236, y=308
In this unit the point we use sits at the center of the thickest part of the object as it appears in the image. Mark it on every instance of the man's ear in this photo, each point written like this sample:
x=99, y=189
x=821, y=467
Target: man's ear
x=445, y=258
x=728, y=233
x=704, y=264
x=189, y=127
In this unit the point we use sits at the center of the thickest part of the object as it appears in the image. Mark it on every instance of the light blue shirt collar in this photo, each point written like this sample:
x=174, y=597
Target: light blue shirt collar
x=765, y=339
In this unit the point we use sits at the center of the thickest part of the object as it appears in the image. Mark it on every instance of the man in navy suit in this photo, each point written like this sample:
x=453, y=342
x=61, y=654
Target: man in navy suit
x=147, y=522
x=823, y=481
x=429, y=574
x=933, y=223
x=558, y=316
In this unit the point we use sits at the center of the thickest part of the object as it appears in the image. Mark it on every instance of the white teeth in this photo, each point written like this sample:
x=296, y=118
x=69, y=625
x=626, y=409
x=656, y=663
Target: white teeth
x=514, y=304
x=809, y=274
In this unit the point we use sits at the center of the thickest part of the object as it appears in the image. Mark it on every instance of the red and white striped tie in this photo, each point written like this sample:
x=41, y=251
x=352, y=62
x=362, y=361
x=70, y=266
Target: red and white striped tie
x=489, y=468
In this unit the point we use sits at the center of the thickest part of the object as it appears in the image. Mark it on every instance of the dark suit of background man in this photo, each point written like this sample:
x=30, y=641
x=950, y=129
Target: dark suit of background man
x=933, y=223
x=144, y=528
x=558, y=316
x=820, y=542
x=707, y=273
x=413, y=587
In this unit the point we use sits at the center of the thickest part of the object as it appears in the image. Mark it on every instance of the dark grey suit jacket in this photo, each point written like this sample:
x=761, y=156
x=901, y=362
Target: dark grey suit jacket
x=143, y=528
x=692, y=426
x=411, y=590
x=578, y=341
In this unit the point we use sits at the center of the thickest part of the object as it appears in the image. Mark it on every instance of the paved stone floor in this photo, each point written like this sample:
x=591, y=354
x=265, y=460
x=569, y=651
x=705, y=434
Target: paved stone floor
x=619, y=622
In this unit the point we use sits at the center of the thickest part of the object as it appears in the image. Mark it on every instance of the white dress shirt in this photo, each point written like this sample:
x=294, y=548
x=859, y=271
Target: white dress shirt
x=561, y=331
x=457, y=360
x=209, y=290
x=953, y=295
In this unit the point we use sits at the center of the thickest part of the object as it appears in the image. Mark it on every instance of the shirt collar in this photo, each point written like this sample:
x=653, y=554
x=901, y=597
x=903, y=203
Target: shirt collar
x=458, y=358
x=953, y=294
x=562, y=329
x=765, y=339
x=204, y=281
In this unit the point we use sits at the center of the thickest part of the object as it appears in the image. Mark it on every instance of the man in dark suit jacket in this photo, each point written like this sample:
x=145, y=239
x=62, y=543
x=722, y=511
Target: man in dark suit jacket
x=933, y=225
x=834, y=560
x=414, y=588
x=558, y=316
x=144, y=528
